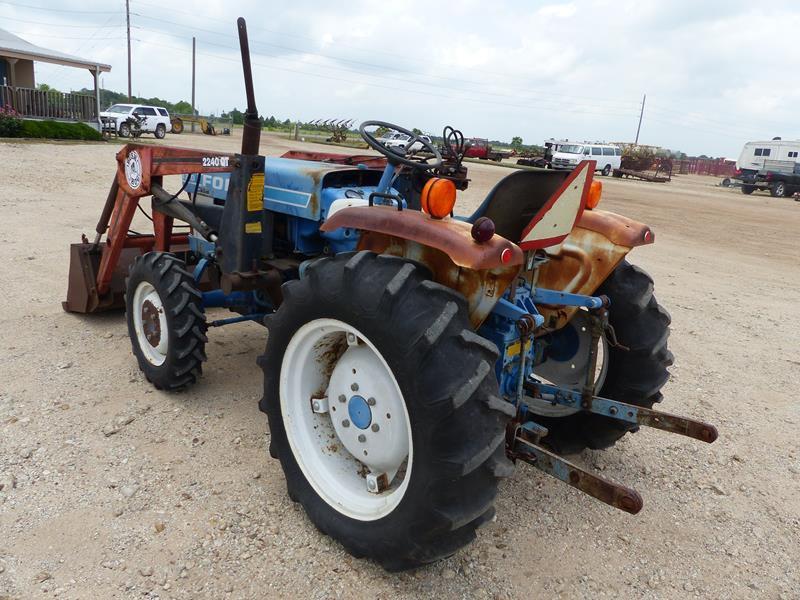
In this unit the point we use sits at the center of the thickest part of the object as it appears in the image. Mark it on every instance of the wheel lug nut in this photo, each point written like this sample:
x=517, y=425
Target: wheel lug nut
x=376, y=427
x=342, y=398
x=371, y=401
x=362, y=438
x=345, y=423
x=354, y=387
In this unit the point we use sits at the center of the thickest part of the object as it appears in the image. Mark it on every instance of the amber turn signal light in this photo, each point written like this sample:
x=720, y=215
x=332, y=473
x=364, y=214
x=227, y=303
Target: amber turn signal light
x=595, y=191
x=438, y=197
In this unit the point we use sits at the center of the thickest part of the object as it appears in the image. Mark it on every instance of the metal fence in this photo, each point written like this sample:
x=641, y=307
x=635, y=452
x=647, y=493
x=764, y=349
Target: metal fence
x=717, y=167
x=41, y=104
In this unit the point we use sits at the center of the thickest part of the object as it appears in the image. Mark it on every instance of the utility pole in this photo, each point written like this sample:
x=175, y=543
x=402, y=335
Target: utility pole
x=128, y=20
x=194, y=45
x=639, y=128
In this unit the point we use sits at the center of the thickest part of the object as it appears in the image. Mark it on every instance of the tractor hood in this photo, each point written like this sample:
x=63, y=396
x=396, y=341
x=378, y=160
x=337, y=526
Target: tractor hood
x=294, y=187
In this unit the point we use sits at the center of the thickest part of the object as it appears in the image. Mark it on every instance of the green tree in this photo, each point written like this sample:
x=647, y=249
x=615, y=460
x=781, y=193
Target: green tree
x=516, y=143
x=182, y=108
x=416, y=131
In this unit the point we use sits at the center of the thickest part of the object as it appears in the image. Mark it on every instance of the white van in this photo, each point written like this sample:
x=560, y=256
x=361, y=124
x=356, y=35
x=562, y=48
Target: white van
x=567, y=155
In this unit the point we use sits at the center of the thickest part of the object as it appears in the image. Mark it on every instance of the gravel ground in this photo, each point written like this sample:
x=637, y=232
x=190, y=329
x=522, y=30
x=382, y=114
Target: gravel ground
x=110, y=489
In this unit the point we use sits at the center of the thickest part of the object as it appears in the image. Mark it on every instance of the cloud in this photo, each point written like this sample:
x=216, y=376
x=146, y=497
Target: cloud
x=715, y=73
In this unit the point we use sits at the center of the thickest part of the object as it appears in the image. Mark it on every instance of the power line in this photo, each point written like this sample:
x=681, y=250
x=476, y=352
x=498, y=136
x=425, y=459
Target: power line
x=425, y=93
x=54, y=24
x=551, y=104
x=481, y=85
x=63, y=10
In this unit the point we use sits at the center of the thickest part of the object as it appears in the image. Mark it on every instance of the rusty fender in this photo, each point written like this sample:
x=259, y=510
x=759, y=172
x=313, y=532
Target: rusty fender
x=445, y=246
x=596, y=245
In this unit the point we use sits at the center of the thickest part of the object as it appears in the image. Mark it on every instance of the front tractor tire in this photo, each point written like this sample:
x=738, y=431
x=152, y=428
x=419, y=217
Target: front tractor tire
x=383, y=409
x=634, y=375
x=166, y=322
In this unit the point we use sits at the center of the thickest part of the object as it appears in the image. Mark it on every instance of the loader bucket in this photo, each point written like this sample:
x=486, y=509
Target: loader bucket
x=82, y=295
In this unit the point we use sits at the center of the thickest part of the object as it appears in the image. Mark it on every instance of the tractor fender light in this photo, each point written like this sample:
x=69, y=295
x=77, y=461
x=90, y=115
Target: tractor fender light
x=482, y=229
x=438, y=197
x=505, y=256
x=595, y=192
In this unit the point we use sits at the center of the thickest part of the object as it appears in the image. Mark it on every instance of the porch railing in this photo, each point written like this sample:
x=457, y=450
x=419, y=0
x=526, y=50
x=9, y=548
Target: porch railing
x=40, y=104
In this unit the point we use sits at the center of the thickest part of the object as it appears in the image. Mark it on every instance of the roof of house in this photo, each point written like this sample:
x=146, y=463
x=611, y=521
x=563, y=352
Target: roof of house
x=15, y=47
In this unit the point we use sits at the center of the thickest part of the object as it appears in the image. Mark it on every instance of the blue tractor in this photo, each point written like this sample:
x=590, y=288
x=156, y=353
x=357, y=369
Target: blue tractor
x=412, y=356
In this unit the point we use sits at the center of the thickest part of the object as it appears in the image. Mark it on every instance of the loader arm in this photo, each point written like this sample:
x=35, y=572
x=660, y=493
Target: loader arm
x=98, y=269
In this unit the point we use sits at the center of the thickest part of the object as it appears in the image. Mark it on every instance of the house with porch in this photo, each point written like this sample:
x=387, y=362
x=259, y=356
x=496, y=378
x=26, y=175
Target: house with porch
x=18, y=83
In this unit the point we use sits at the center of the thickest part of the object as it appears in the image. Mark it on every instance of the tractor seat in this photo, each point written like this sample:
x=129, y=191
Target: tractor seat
x=516, y=199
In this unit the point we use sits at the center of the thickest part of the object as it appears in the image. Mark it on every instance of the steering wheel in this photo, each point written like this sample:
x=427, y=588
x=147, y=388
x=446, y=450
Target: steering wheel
x=401, y=156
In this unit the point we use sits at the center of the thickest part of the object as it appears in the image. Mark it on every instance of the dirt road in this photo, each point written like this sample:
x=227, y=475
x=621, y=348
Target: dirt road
x=111, y=489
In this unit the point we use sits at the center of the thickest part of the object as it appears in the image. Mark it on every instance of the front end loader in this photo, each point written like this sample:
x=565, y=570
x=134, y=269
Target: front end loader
x=413, y=356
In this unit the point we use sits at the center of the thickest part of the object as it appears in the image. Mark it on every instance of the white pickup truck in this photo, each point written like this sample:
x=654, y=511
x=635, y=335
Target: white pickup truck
x=152, y=119
x=399, y=140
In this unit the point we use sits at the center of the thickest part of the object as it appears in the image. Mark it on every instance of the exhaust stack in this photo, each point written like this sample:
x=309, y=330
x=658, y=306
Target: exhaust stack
x=251, y=136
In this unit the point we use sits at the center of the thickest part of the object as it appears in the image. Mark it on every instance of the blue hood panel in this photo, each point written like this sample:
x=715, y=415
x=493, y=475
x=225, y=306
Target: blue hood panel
x=291, y=186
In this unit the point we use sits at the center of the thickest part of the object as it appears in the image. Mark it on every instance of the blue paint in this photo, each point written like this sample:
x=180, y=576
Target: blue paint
x=385, y=183
x=219, y=299
x=563, y=344
x=360, y=414
x=601, y=406
x=543, y=296
x=201, y=246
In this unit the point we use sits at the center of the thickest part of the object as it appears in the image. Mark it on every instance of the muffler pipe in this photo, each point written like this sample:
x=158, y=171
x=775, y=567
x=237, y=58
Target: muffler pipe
x=251, y=134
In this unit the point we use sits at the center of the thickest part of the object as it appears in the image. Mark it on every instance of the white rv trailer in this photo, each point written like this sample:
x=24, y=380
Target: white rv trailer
x=760, y=156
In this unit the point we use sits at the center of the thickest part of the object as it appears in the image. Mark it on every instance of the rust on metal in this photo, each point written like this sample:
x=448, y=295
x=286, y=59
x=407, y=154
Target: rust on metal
x=151, y=323
x=157, y=161
x=451, y=236
x=368, y=160
x=614, y=494
x=481, y=288
x=593, y=249
x=698, y=430
x=618, y=229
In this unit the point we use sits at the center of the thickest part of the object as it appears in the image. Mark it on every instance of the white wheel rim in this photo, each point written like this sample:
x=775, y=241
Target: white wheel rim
x=345, y=419
x=150, y=323
x=570, y=373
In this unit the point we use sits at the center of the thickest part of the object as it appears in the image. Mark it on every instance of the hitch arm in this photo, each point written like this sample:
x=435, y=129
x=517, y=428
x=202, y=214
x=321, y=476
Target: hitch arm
x=637, y=415
x=614, y=494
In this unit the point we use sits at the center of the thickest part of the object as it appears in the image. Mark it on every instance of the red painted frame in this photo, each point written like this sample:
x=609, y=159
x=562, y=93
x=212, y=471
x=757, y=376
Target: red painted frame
x=156, y=162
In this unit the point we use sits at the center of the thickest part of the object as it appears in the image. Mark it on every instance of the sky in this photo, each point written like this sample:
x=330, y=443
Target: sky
x=716, y=73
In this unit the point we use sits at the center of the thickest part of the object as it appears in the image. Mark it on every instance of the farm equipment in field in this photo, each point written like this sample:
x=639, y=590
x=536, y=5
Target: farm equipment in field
x=179, y=122
x=642, y=163
x=413, y=356
x=338, y=128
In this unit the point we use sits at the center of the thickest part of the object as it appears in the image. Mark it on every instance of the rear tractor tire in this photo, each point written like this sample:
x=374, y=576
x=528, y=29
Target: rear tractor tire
x=166, y=323
x=634, y=376
x=383, y=409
